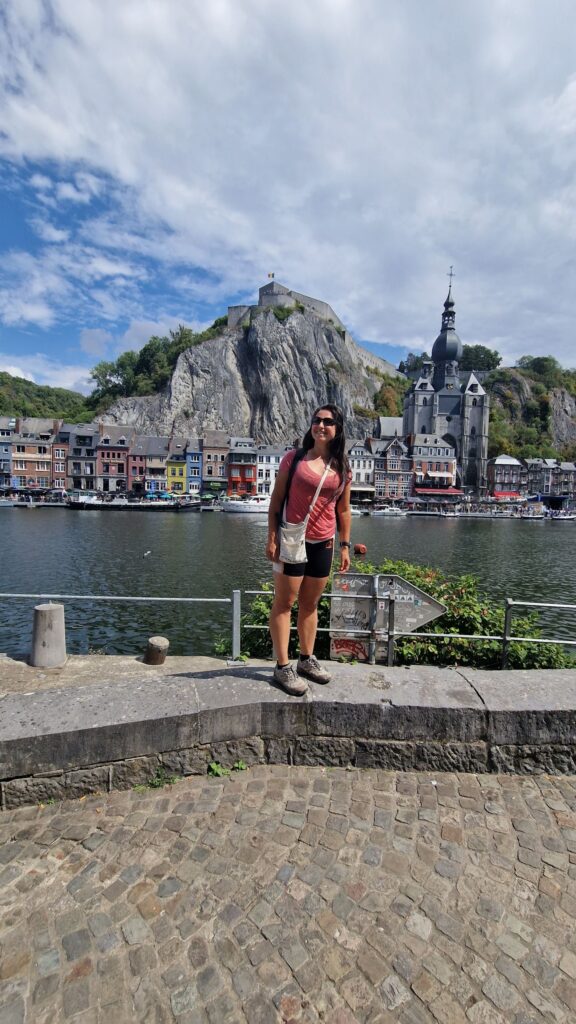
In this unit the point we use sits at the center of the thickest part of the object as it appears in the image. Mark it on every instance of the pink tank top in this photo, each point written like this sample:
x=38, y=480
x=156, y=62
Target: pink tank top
x=322, y=522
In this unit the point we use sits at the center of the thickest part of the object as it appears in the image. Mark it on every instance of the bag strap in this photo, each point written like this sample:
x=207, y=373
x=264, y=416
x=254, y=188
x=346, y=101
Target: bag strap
x=319, y=488
x=298, y=458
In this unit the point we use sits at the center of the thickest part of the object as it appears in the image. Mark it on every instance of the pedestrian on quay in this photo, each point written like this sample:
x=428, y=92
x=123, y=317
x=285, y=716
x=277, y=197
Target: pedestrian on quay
x=312, y=487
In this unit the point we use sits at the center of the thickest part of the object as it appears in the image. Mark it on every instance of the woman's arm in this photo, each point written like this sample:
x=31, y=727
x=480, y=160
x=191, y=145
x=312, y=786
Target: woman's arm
x=276, y=503
x=344, y=520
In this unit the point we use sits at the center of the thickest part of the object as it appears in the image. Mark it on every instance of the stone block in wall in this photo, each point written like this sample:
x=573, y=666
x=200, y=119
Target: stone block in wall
x=451, y=757
x=136, y=771
x=386, y=754
x=313, y=750
x=192, y=761
x=529, y=759
x=33, y=790
x=249, y=750
x=86, y=780
x=432, y=756
x=228, y=723
x=278, y=750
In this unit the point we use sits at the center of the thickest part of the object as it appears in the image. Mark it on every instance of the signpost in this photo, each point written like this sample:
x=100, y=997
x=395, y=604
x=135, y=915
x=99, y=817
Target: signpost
x=368, y=612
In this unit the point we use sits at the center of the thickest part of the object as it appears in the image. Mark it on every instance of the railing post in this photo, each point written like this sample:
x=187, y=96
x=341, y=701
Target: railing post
x=236, y=616
x=391, y=637
x=506, y=633
x=373, y=614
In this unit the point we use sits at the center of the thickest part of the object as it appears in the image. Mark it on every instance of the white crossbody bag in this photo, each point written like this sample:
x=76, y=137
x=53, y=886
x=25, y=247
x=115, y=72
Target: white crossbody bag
x=293, y=535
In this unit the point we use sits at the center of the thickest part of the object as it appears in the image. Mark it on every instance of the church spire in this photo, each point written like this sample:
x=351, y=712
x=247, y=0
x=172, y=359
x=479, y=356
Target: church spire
x=449, y=315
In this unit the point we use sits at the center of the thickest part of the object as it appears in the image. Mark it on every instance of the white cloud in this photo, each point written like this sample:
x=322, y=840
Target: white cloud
x=48, y=233
x=95, y=341
x=355, y=148
x=43, y=370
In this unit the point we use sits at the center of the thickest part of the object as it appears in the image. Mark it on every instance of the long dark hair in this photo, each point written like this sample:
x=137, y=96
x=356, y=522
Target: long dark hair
x=337, y=447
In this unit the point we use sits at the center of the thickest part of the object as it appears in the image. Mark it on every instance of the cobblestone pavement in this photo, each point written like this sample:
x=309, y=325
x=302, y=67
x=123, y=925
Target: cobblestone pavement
x=294, y=894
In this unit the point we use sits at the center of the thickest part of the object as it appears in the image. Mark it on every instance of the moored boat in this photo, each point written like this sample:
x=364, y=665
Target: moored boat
x=389, y=510
x=260, y=503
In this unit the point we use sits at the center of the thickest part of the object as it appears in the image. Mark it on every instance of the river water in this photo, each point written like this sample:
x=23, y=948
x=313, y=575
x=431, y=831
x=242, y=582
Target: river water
x=60, y=551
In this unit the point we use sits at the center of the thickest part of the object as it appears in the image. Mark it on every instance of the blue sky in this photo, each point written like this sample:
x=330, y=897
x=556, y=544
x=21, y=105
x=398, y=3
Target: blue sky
x=157, y=160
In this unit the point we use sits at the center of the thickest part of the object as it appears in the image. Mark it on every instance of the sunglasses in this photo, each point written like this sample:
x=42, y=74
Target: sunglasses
x=326, y=420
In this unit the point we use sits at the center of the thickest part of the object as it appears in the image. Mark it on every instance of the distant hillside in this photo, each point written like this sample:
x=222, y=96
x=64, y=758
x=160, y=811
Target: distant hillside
x=19, y=397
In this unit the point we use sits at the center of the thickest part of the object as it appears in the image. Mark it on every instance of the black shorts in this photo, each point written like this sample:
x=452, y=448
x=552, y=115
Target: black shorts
x=318, y=561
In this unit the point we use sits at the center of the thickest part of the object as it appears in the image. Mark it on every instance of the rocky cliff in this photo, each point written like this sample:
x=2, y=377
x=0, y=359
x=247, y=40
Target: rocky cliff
x=262, y=380
x=526, y=412
x=562, y=418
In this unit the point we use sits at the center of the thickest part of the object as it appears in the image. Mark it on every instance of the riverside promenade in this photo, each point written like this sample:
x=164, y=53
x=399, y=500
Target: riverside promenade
x=316, y=882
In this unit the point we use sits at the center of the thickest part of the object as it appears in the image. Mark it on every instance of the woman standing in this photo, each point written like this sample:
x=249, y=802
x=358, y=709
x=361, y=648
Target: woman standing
x=323, y=448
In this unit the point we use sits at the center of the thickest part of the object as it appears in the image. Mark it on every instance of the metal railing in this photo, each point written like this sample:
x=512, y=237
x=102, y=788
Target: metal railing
x=234, y=601
x=390, y=635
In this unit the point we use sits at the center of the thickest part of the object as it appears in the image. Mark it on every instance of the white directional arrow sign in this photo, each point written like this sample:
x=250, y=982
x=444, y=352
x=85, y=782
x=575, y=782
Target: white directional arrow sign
x=413, y=608
x=365, y=607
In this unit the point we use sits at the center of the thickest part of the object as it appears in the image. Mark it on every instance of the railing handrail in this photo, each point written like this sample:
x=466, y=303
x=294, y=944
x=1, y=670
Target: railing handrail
x=382, y=634
x=390, y=634
x=120, y=597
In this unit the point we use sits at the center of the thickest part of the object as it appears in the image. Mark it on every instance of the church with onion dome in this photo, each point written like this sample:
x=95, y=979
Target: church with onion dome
x=450, y=404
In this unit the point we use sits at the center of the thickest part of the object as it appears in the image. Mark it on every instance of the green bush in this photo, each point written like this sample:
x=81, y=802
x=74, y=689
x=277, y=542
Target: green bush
x=282, y=313
x=468, y=611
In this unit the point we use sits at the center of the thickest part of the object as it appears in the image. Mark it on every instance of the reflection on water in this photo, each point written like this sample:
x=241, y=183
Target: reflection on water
x=59, y=551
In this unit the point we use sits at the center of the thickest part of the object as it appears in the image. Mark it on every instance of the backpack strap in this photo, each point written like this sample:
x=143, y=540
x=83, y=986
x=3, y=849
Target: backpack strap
x=300, y=453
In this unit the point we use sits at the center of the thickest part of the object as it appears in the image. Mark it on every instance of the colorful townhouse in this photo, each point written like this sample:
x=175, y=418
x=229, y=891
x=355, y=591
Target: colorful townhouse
x=147, y=461
x=194, y=459
x=214, y=456
x=435, y=468
x=393, y=469
x=82, y=440
x=361, y=461
x=60, y=451
x=7, y=431
x=112, y=458
x=176, y=466
x=507, y=478
x=268, y=458
x=241, y=466
x=32, y=452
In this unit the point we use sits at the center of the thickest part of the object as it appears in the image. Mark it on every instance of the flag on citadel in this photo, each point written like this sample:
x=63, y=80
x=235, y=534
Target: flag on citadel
x=270, y=275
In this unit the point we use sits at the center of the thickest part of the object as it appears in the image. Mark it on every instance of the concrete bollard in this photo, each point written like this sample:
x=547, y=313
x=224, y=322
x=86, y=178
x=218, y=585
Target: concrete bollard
x=48, y=637
x=156, y=650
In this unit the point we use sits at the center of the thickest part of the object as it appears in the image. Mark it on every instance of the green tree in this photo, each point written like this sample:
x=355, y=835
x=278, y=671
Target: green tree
x=413, y=362
x=19, y=397
x=478, y=357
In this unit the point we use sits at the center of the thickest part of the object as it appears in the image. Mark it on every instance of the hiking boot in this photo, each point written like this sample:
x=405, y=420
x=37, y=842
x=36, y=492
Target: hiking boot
x=311, y=668
x=289, y=681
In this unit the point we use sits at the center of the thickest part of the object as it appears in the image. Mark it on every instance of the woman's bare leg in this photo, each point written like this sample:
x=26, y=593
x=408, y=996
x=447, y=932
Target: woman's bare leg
x=286, y=590
x=310, y=593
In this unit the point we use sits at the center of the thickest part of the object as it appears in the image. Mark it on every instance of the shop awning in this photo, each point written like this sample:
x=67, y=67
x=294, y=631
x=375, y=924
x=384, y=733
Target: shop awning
x=507, y=494
x=437, y=490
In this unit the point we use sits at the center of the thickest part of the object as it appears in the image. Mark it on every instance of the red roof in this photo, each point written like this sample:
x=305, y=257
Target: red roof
x=439, y=490
x=506, y=494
